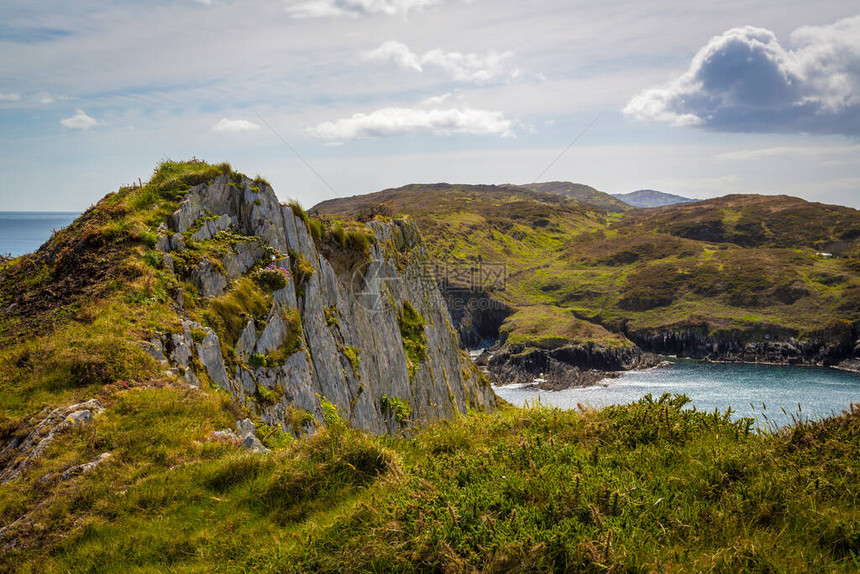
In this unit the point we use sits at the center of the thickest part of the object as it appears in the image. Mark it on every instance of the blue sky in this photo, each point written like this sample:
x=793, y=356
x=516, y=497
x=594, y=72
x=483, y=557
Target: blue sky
x=704, y=100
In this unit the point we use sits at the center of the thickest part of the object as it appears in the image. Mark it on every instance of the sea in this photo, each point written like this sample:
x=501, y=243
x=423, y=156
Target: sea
x=25, y=231
x=773, y=395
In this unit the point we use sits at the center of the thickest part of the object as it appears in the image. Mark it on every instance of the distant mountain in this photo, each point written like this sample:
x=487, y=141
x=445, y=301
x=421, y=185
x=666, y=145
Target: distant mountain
x=580, y=192
x=650, y=198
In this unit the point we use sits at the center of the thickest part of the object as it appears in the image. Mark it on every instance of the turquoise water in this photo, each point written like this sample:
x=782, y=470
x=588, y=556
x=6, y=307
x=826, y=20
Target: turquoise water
x=759, y=391
x=25, y=231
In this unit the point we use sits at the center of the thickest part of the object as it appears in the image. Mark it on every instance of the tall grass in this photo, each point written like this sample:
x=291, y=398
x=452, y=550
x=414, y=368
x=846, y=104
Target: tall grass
x=644, y=487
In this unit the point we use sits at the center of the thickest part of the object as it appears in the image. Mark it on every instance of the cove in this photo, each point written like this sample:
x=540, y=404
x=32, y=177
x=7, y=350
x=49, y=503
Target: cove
x=751, y=390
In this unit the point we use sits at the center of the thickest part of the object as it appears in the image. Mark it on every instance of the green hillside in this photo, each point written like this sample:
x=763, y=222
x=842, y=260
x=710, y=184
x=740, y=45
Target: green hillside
x=741, y=264
x=580, y=192
x=521, y=230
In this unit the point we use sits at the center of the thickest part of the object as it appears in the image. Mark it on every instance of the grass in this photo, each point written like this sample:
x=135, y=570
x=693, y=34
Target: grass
x=228, y=314
x=548, y=327
x=414, y=338
x=292, y=342
x=644, y=487
x=302, y=269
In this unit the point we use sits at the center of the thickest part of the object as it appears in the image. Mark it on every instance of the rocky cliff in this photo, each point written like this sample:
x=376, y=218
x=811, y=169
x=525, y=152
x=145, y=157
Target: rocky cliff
x=699, y=342
x=357, y=322
x=565, y=366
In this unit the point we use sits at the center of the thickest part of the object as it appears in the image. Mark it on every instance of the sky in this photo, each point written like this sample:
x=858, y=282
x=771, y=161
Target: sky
x=333, y=98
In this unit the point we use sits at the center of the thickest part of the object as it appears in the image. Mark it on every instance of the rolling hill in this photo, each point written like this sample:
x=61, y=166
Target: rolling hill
x=584, y=193
x=699, y=278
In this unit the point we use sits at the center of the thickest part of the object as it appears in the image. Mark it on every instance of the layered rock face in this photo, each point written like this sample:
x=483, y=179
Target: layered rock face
x=336, y=326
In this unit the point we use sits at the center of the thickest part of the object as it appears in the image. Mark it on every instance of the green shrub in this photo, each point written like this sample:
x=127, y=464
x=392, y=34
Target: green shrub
x=149, y=238
x=338, y=234
x=153, y=258
x=268, y=396
x=397, y=407
x=302, y=268
x=272, y=277
x=414, y=338
x=353, y=355
x=331, y=416
x=331, y=316
x=316, y=230
x=229, y=313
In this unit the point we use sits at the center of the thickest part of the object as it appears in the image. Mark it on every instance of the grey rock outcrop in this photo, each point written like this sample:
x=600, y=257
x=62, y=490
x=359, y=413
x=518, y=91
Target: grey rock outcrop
x=246, y=436
x=81, y=469
x=20, y=454
x=350, y=350
x=208, y=279
x=211, y=227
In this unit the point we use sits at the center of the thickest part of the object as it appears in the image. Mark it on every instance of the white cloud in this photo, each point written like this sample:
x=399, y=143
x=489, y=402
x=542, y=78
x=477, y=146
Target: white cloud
x=389, y=122
x=10, y=97
x=355, y=8
x=79, y=121
x=393, y=51
x=745, y=80
x=225, y=125
x=475, y=68
x=436, y=100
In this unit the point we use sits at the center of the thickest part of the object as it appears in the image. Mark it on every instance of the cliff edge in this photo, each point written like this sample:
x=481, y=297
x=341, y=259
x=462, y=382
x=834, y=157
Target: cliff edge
x=358, y=320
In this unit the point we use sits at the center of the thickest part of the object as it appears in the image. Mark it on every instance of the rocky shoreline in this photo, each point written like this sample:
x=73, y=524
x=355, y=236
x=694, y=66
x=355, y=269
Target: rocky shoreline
x=732, y=347
x=573, y=366
x=563, y=367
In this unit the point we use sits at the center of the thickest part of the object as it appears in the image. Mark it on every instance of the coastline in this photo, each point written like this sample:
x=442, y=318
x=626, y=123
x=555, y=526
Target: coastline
x=545, y=371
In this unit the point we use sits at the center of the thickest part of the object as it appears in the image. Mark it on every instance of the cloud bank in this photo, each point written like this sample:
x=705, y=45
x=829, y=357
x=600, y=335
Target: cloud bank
x=744, y=80
x=226, y=125
x=355, y=8
x=389, y=122
x=79, y=121
x=475, y=68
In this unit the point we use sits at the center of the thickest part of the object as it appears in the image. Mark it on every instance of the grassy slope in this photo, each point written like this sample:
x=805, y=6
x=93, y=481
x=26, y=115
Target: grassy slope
x=740, y=262
x=81, y=303
x=638, y=488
